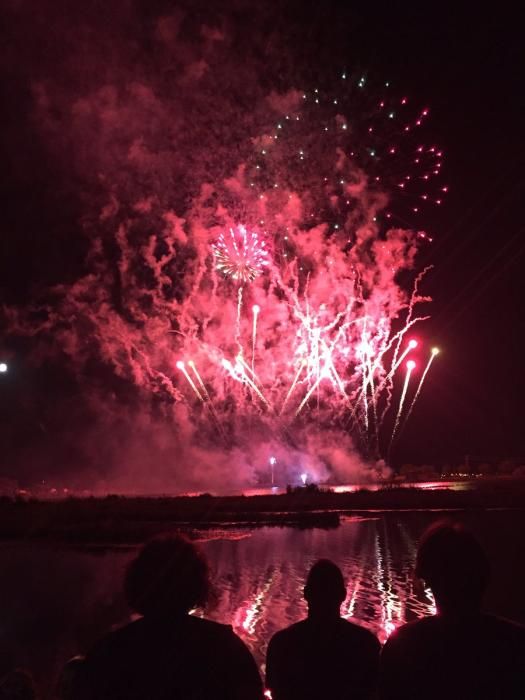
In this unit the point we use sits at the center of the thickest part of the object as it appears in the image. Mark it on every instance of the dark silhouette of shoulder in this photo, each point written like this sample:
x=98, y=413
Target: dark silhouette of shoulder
x=186, y=658
x=306, y=631
x=311, y=660
x=476, y=656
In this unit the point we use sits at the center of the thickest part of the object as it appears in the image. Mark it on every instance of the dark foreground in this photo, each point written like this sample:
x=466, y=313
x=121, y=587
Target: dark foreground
x=119, y=519
x=60, y=598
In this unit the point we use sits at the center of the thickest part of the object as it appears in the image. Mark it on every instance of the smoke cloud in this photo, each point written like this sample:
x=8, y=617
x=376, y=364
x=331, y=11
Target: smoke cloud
x=167, y=128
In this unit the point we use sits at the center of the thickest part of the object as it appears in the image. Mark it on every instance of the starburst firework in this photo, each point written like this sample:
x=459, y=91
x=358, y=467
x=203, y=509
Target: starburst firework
x=240, y=254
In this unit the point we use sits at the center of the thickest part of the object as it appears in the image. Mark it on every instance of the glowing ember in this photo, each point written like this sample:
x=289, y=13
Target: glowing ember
x=363, y=131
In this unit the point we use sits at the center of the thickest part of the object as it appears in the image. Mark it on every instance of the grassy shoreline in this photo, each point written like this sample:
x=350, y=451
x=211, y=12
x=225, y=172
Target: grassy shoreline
x=120, y=519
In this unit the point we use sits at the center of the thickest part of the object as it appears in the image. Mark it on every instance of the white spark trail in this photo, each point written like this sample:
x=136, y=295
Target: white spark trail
x=420, y=386
x=410, y=367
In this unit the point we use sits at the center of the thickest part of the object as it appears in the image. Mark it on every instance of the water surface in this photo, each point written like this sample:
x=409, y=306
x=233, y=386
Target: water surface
x=56, y=601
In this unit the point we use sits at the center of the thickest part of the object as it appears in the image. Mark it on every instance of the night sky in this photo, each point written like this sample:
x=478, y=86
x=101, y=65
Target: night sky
x=467, y=66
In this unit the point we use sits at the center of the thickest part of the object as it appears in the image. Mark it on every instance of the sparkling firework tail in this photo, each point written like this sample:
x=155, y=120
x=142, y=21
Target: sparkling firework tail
x=329, y=363
x=336, y=379
x=293, y=385
x=388, y=383
x=256, y=384
x=255, y=379
x=389, y=377
x=365, y=398
x=374, y=402
x=309, y=393
x=238, y=319
x=418, y=391
x=190, y=381
x=397, y=339
x=242, y=372
x=366, y=378
x=199, y=380
x=230, y=369
x=410, y=367
x=254, y=334
x=208, y=401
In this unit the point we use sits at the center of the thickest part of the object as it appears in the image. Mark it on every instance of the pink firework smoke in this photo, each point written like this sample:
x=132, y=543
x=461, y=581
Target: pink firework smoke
x=281, y=335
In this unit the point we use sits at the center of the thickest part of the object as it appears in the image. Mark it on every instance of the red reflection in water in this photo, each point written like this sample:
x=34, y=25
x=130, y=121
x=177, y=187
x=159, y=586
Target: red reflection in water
x=437, y=485
x=266, y=594
x=246, y=617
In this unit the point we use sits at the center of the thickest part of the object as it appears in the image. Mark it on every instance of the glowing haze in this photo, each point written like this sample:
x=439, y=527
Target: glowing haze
x=240, y=299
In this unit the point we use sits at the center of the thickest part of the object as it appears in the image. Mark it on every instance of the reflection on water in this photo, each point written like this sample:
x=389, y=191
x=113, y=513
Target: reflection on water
x=55, y=602
x=469, y=484
x=263, y=592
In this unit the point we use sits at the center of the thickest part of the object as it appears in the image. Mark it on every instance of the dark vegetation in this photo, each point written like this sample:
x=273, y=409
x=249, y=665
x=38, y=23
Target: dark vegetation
x=120, y=519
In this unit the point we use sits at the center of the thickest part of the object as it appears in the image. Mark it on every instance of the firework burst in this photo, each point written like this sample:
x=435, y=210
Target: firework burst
x=240, y=254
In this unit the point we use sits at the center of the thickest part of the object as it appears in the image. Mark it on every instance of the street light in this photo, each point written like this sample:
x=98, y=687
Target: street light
x=3, y=367
x=272, y=464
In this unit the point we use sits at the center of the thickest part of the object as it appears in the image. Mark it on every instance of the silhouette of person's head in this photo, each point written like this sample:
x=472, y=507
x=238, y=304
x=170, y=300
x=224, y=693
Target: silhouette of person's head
x=452, y=562
x=169, y=576
x=325, y=589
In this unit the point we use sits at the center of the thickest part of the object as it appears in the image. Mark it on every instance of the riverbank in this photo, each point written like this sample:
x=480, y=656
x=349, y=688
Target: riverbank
x=120, y=519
